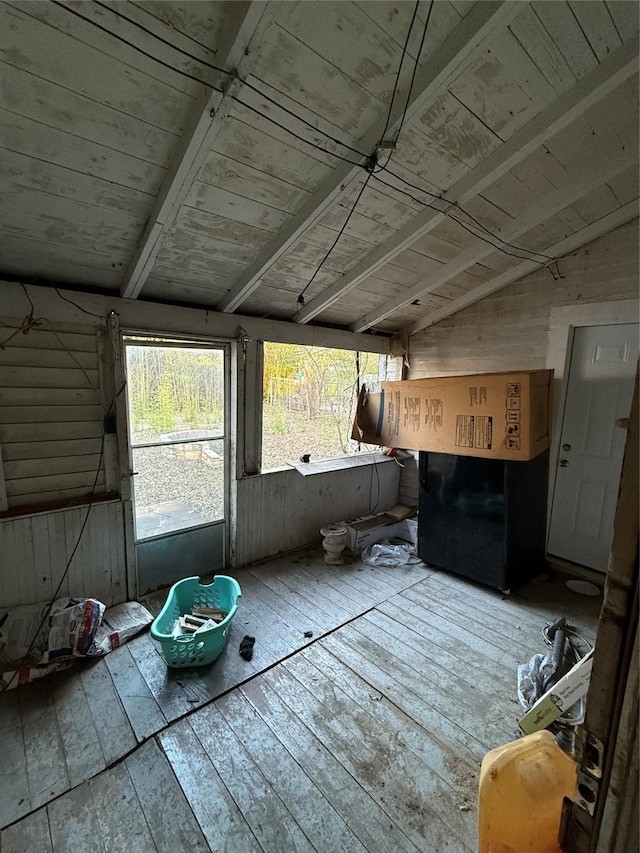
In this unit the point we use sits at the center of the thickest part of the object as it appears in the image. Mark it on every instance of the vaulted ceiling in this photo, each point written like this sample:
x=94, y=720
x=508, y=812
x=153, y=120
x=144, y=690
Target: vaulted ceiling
x=294, y=160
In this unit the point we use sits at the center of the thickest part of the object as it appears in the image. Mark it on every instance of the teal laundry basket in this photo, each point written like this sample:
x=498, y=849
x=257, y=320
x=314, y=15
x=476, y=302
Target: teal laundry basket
x=204, y=647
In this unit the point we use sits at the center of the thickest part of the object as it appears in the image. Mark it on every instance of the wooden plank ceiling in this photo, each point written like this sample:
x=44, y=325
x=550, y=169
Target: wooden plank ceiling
x=292, y=160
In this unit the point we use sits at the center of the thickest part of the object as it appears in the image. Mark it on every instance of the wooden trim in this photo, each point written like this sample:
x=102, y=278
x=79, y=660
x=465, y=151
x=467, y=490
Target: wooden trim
x=539, y=212
x=587, y=91
x=154, y=318
x=480, y=23
x=614, y=674
x=4, y=504
x=563, y=322
x=569, y=244
x=193, y=148
x=57, y=506
x=124, y=457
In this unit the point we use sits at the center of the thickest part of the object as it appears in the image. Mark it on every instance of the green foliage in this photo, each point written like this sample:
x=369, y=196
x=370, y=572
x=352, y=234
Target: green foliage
x=174, y=388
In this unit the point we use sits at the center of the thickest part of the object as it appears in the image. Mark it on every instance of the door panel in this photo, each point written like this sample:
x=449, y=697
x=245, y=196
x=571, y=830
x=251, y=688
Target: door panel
x=599, y=391
x=177, y=418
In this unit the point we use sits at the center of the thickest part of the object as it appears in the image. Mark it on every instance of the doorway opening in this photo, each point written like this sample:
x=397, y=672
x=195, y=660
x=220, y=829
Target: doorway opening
x=177, y=395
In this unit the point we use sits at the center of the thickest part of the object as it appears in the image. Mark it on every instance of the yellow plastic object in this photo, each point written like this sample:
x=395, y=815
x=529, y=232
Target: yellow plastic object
x=522, y=785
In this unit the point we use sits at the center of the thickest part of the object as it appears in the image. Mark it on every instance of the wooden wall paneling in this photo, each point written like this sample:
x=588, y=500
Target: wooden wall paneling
x=37, y=548
x=606, y=269
x=3, y=489
x=282, y=510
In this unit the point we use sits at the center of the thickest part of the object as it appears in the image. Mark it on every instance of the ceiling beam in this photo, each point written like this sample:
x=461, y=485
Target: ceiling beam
x=475, y=27
x=586, y=92
x=569, y=244
x=594, y=176
x=205, y=124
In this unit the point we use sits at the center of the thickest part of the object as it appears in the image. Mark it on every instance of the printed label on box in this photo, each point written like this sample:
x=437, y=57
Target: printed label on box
x=513, y=389
x=434, y=411
x=474, y=431
x=477, y=395
x=464, y=430
x=411, y=419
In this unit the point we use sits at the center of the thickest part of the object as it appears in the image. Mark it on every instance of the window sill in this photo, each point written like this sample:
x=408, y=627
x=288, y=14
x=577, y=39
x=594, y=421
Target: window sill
x=333, y=463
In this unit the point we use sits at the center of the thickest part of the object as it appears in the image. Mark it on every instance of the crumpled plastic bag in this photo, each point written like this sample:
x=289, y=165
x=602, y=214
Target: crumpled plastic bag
x=531, y=678
x=388, y=555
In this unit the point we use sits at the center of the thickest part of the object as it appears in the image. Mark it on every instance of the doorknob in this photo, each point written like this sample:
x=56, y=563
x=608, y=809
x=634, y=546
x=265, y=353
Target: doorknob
x=564, y=463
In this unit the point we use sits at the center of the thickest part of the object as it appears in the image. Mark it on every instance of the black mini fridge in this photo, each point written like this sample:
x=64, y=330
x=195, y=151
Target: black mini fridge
x=484, y=519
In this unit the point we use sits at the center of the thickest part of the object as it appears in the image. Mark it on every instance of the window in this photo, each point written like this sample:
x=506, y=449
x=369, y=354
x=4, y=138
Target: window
x=176, y=394
x=309, y=398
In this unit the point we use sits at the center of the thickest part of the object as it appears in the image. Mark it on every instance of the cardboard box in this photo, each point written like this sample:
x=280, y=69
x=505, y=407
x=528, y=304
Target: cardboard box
x=367, y=531
x=559, y=698
x=491, y=415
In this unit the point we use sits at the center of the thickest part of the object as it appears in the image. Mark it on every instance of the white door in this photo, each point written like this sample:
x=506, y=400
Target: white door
x=599, y=392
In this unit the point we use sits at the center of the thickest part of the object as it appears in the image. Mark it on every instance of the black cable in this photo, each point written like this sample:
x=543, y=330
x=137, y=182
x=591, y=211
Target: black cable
x=397, y=80
x=303, y=120
x=47, y=612
x=467, y=227
x=313, y=127
x=415, y=70
x=158, y=37
x=135, y=47
x=203, y=62
x=462, y=210
x=296, y=135
x=340, y=233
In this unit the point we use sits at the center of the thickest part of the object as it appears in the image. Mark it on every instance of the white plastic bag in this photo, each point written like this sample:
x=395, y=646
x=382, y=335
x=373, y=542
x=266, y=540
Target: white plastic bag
x=388, y=555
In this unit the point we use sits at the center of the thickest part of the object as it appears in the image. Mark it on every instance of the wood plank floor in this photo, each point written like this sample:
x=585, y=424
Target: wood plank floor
x=366, y=736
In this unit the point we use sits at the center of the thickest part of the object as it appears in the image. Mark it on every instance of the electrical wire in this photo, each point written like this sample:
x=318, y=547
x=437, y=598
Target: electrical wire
x=135, y=47
x=462, y=210
x=333, y=245
x=530, y=253
x=468, y=228
x=296, y=135
x=415, y=71
x=397, y=80
x=16, y=673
